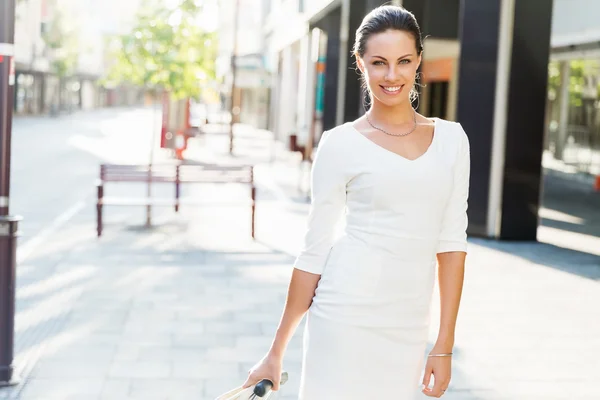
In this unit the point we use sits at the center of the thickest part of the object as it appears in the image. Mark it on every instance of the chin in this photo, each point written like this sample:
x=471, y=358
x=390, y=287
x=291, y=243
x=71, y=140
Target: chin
x=392, y=102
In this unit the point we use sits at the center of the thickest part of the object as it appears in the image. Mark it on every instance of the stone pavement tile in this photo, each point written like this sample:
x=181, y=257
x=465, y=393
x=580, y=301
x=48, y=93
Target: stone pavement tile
x=148, y=339
x=140, y=369
x=175, y=326
x=129, y=351
x=234, y=327
x=468, y=394
x=64, y=388
x=216, y=312
x=167, y=389
x=170, y=354
x=94, y=339
x=114, y=388
x=254, y=341
x=256, y=316
x=235, y=354
x=551, y=390
x=204, y=341
x=111, y=317
x=68, y=369
x=81, y=353
x=206, y=370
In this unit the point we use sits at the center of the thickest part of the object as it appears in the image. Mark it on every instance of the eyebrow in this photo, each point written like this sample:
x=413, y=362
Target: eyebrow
x=399, y=58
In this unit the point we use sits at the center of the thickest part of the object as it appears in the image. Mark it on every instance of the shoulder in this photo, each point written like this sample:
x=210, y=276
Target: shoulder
x=453, y=128
x=452, y=131
x=335, y=139
x=336, y=133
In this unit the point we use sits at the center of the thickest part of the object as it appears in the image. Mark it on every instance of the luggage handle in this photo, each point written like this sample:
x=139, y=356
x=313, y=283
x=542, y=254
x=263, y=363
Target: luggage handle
x=263, y=387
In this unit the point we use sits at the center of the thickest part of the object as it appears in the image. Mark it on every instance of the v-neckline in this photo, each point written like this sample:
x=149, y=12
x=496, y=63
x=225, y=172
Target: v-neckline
x=435, y=133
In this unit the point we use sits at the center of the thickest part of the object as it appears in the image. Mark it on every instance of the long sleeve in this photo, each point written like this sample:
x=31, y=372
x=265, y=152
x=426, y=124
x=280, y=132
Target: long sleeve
x=328, y=192
x=453, y=235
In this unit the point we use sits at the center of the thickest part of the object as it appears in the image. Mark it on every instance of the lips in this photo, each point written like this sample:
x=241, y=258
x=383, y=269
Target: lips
x=392, y=90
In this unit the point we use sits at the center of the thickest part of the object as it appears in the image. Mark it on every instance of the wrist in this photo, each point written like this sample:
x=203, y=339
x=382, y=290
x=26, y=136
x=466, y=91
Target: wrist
x=445, y=338
x=443, y=346
x=275, y=354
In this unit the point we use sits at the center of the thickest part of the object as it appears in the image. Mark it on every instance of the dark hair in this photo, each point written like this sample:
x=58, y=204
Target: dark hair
x=385, y=18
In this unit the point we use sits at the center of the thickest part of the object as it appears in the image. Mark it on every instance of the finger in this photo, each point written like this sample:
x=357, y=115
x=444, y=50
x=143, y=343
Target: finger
x=427, y=377
x=251, y=380
x=439, y=387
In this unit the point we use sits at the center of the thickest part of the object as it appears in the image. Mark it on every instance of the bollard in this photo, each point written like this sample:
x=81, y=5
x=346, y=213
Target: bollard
x=8, y=224
x=8, y=261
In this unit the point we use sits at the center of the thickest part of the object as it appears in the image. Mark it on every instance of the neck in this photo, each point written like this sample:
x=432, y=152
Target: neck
x=396, y=115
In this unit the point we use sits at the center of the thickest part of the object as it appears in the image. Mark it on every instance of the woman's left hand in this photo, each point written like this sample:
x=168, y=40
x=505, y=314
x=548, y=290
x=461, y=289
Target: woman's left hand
x=440, y=368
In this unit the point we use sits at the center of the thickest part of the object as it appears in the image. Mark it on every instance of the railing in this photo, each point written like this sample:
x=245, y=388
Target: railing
x=581, y=149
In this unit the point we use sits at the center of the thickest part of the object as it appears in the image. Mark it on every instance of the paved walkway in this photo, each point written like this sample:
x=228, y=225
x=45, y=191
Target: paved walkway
x=181, y=311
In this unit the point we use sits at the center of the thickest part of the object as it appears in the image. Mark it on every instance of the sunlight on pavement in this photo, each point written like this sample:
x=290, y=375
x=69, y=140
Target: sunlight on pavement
x=560, y=216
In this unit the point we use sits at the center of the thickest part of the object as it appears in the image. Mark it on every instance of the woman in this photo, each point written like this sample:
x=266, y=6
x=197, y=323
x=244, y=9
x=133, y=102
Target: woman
x=403, y=181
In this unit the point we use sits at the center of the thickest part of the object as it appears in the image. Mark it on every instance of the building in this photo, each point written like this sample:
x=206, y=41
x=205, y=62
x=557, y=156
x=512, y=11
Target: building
x=251, y=81
x=573, y=113
x=31, y=63
x=38, y=89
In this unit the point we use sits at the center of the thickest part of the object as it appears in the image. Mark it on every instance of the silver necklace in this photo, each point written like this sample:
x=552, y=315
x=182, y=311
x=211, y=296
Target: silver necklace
x=396, y=134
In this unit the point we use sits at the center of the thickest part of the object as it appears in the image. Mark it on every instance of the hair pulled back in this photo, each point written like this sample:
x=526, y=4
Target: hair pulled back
x=384, y=18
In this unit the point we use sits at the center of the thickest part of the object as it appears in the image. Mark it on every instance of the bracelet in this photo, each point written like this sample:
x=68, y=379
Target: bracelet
x=440, y=355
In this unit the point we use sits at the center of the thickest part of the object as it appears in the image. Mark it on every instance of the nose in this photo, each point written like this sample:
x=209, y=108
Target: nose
x=392, y=74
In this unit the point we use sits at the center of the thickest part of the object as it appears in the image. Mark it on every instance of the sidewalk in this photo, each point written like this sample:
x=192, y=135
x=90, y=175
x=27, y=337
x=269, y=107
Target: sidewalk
x=182, y=311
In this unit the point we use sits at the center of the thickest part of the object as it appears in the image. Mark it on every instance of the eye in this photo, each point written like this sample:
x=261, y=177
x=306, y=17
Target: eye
x=405, y=61
x=378, y=63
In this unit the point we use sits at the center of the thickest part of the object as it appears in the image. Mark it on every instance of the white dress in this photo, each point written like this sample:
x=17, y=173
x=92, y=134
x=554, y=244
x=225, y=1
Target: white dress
x=367, y=328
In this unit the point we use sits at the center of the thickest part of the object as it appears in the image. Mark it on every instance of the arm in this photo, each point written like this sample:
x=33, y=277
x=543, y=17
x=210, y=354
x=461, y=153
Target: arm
x=451, y=254
x=451, y=275
x=328, y=193
x=452, y=249
x=300, y=294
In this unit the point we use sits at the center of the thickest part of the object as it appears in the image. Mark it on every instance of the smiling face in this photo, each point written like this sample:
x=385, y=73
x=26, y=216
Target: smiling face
x=389, y=66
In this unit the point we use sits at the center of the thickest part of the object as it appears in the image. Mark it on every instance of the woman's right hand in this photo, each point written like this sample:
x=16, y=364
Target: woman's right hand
x=268, y=368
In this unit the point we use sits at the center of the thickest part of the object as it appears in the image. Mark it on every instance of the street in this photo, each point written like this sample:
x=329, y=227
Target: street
x=182, y=310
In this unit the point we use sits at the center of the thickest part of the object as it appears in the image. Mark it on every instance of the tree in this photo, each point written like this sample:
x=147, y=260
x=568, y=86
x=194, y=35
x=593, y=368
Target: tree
x=61, y=40
x=579, y=70
x=63, y=43
x=167, y=49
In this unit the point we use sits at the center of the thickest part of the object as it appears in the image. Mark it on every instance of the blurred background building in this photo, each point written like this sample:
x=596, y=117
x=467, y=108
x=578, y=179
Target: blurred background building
x=252, y=81
x=61, y=53
x=573, y=117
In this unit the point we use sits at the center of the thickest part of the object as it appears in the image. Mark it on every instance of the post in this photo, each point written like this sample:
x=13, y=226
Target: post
x=563, y=119
x=236, y=17
x=8, y=224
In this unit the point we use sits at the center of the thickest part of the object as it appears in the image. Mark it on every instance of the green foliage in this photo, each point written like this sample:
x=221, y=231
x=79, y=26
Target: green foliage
x=62, y=41
x=167, y=49
x=579, y=70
